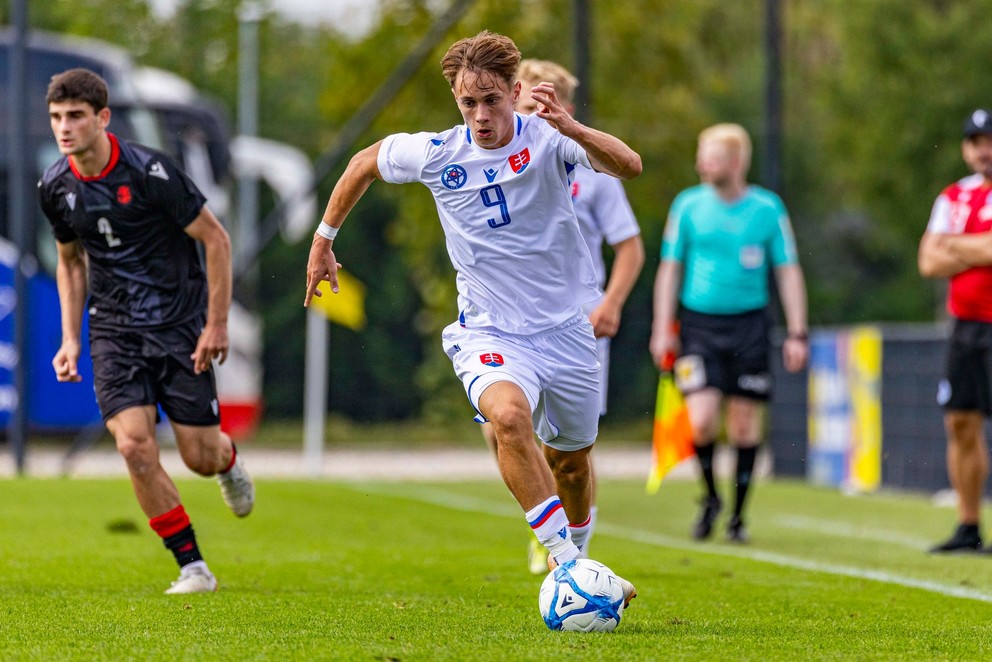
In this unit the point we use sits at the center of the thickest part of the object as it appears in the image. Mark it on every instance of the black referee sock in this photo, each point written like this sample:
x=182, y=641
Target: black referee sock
x=705, y=456
x=183, y=546
x=745, y=466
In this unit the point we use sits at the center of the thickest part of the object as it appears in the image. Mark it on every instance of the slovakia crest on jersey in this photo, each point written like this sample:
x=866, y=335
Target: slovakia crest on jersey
x=454, y=177
x=491, y=359
x=520, y=161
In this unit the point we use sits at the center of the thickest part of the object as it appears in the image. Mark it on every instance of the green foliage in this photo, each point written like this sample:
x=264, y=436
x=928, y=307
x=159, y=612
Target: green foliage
x=874, y=93
x=429, y=571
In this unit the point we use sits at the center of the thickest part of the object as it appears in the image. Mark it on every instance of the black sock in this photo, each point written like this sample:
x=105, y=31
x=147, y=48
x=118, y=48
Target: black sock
x=183, y=546
x=745, y=465
x=705, y=456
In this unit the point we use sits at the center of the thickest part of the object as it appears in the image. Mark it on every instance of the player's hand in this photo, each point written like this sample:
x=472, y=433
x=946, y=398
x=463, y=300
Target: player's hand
x=664, y=348
x=605, y=319
x=322, y=265
x=795, y=353
x=66, y=362
x=549, y=108
x=212, y=344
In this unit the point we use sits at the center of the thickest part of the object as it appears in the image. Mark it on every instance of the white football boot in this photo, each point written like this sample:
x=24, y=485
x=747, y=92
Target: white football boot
x=237, y=489
x=194, y=578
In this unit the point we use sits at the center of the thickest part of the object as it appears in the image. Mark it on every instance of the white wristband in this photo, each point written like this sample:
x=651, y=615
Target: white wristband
x=326, y=231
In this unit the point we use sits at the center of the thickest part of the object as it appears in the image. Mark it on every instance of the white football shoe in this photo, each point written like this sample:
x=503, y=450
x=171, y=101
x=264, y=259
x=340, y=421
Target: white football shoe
x=237, y=488
x=194, y=578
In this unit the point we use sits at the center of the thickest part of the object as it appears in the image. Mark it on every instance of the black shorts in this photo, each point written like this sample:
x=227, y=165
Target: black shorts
x=153, y=367
x=965, y=386
x=726, y=352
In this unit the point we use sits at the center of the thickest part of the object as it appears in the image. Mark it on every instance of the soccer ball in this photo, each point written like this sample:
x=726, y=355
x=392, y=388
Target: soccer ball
x=581, y=596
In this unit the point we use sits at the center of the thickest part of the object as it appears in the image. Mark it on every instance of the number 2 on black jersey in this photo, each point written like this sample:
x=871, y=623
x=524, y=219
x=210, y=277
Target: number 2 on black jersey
x=104, y=228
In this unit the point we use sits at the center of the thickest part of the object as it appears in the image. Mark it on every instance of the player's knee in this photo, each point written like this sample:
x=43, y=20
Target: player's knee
x=510, y=419
x=964, y=430
x=570, y=468
x=139, y=451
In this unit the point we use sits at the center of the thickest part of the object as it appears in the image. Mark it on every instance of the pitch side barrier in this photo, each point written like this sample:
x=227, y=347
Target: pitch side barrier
x=864, y=415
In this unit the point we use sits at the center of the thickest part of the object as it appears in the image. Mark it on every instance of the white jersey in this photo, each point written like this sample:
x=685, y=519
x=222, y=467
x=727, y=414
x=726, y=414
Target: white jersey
x=522, y=264
x=604, y=214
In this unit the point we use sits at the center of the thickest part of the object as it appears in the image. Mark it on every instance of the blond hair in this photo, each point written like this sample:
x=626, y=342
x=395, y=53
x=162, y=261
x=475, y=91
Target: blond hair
x=485, y=52
x=532, y=72
x=734, y=137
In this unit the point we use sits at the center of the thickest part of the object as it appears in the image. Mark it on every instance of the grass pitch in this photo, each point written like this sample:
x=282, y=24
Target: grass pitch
x=422, y=571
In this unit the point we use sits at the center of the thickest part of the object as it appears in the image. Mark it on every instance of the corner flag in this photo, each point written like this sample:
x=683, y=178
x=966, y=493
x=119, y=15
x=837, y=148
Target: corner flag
x=347, y=307
x=672, y=437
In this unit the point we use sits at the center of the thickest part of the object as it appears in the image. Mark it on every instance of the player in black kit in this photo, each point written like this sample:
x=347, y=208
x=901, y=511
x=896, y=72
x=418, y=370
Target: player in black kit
x=126, y=222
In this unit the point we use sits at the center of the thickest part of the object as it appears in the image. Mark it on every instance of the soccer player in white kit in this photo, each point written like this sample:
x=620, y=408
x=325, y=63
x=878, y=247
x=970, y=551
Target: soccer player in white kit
x=522, y=346
x=604, y=216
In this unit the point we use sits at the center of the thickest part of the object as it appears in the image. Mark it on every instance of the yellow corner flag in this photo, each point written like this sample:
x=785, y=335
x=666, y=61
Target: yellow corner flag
x=671, y=441
x=347, y=307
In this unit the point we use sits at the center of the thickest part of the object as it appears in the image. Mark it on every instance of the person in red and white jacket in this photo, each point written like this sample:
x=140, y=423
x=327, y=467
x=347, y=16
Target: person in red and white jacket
x=957, y=245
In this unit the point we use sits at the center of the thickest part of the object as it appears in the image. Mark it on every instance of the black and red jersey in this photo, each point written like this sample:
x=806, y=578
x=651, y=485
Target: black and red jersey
x=144, y=270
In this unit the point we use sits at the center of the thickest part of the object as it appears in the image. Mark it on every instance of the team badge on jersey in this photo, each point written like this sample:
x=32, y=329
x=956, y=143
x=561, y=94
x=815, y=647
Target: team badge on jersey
x=156, y=170
x=124, y=195
x=520, y=161
x=491, y=359
x=575, y=190
x=70, y=199
x=454, y=177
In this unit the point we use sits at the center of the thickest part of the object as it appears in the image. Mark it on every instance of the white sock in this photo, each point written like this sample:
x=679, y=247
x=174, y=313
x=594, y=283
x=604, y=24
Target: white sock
x=189, y=567
x=550, y=525
x=580, y=534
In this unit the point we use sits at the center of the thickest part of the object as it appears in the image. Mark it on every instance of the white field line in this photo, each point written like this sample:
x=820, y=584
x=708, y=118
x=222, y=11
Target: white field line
x=461, y=502
x=848, y=530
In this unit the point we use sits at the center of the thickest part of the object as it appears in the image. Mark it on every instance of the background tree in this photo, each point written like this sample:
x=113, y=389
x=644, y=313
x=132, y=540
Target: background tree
x=873, y=99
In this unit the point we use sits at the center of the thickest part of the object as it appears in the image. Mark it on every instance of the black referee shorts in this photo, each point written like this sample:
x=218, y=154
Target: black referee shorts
x=153, y=367
x=966, y=384
x=730, y=353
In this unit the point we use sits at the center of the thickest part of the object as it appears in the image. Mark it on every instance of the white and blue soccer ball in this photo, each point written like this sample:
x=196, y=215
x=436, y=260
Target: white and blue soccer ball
x=581, y=596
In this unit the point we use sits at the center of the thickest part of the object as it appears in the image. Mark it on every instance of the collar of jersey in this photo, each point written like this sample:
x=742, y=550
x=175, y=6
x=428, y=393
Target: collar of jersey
x=115, y=153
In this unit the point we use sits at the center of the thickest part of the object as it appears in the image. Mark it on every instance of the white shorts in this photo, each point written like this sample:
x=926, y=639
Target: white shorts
x=603, y=349
x=558, y=371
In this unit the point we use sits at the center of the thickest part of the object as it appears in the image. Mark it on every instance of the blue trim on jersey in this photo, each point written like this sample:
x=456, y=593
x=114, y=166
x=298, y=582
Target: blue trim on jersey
x=520, y=123
x=468, y=135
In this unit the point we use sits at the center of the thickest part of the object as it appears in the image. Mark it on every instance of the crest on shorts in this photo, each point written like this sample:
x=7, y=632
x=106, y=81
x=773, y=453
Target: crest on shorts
x=491, y=359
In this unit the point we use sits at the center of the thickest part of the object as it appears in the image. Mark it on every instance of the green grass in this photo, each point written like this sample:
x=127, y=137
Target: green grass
x=420, y=571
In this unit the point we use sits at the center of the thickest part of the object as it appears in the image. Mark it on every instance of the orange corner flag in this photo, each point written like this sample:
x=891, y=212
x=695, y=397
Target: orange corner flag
x=672, y=438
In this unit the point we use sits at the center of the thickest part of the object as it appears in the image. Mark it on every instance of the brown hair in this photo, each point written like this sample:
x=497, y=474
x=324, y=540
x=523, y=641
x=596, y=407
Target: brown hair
x=78, y=85
x=532, y=72
x=485, y=52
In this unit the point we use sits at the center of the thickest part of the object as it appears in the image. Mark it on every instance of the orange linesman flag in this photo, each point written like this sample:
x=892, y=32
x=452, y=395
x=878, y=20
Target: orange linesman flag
x=672, y=438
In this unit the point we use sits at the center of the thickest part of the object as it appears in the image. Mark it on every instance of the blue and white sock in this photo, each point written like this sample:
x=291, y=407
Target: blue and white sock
x=548, y=522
